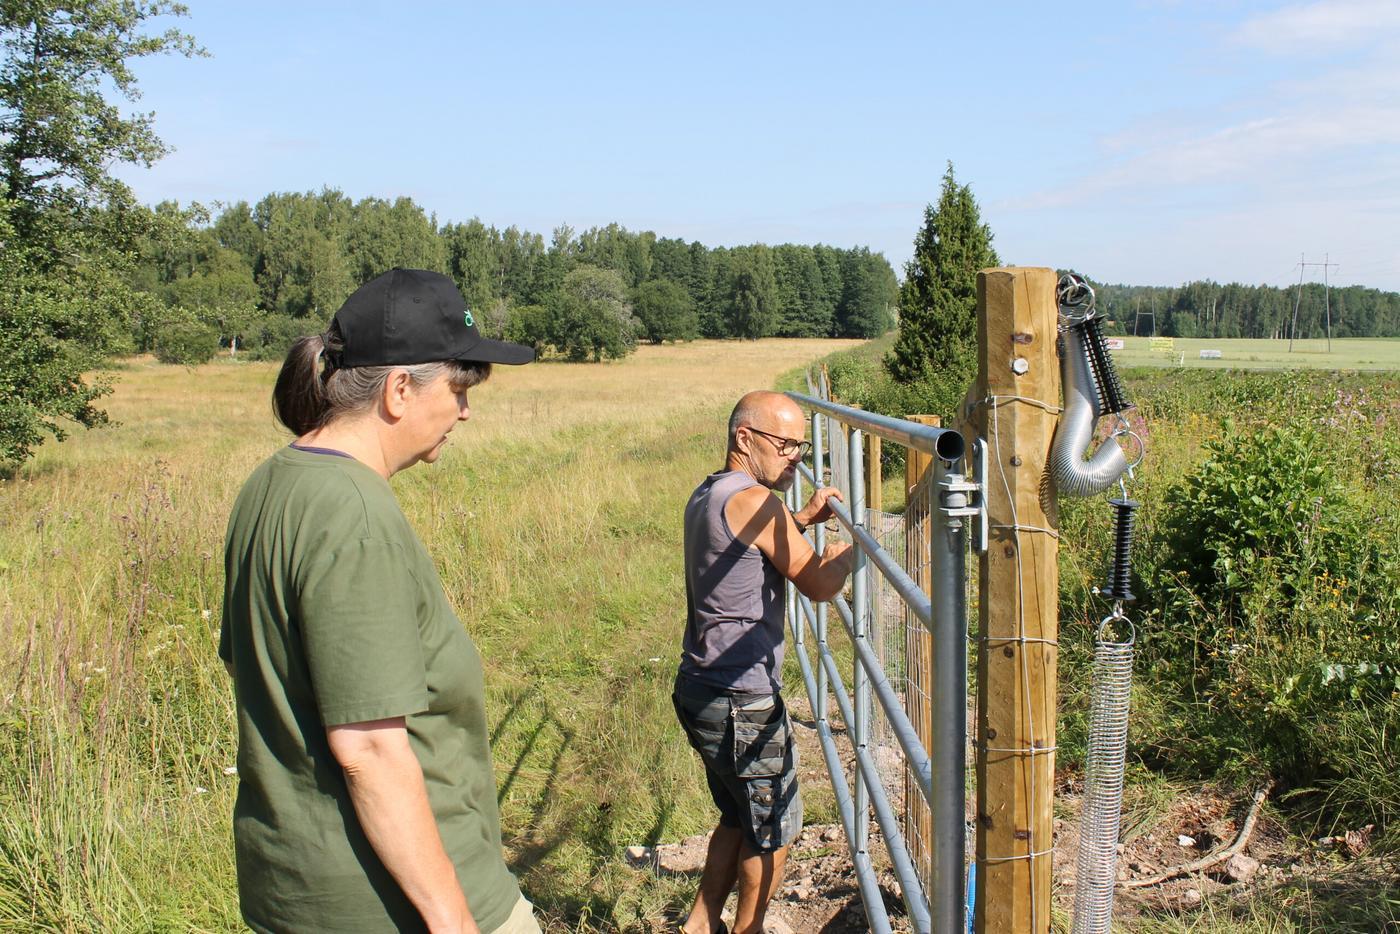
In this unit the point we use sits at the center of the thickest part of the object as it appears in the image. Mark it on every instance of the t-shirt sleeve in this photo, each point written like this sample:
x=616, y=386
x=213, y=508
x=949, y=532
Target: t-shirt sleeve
x=358, y=610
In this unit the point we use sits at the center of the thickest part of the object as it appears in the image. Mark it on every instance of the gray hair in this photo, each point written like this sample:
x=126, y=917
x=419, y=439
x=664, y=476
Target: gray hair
x=313, y=390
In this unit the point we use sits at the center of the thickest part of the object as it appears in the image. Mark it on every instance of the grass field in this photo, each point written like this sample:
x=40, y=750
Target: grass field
x=555, y=519
x=1346, y=354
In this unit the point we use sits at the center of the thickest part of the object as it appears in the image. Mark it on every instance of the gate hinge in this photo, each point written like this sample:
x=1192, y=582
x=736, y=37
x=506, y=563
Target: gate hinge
x=960, y=497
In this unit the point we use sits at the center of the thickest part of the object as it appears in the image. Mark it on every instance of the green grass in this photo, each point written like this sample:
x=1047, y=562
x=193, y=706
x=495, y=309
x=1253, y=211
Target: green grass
x=555, y=521
x=1347, y=354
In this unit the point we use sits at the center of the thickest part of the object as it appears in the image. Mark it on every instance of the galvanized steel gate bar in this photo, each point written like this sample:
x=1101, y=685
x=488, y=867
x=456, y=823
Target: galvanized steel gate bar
x=938, y=777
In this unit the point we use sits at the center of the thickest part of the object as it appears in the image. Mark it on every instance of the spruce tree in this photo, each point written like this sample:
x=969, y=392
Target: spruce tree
x=937, y=341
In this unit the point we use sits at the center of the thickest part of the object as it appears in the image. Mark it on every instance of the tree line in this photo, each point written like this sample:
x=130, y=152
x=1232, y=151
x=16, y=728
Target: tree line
x=1209, y=309
x=86, y=272
x=254, y=276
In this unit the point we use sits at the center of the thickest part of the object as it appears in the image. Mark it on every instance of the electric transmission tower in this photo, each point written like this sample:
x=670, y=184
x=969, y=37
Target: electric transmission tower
x=1303, y=264
x=1140, y=314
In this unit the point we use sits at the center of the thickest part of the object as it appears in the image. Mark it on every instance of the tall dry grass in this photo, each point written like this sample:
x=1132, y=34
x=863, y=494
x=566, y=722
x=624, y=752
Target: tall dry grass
x=554, y=518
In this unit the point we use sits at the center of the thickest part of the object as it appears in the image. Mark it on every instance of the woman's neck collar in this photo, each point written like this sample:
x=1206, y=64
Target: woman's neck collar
x=359, y=438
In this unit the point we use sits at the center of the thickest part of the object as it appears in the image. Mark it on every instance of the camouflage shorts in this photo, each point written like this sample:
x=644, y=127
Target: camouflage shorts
x=745, y=741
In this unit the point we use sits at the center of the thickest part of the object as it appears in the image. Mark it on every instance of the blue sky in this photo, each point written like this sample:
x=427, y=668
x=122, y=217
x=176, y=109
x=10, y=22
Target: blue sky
x=1143, y=142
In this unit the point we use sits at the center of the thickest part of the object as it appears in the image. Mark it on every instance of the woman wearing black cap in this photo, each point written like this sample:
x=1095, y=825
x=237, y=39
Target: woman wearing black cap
x=366, y=799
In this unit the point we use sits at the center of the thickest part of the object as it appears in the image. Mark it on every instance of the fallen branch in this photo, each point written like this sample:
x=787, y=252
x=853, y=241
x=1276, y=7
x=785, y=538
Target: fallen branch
x=1210, y=859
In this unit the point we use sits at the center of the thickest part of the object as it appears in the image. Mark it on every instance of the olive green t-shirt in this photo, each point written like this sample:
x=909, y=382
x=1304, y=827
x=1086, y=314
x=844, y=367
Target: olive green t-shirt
x=334, y=613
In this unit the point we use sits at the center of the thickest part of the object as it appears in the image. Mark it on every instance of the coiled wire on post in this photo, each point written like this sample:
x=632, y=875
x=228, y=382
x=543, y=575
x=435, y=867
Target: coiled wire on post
x=1096, y=867
x=1091, y=389
x=1112, y=397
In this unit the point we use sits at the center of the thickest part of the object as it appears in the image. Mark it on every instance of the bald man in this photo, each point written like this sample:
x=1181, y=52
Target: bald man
x=741, y=543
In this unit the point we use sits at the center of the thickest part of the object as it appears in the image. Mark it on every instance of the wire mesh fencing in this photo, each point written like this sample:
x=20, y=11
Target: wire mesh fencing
x=892, y=763
x=905, y=648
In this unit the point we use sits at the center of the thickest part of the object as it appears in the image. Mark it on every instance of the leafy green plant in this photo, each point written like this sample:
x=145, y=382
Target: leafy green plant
x=186, y=340
x=1258, y=505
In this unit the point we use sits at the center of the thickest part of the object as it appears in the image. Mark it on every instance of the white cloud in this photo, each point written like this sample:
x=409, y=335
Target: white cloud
x=1330, y=127
x=1322, y=26
x=1268, y=155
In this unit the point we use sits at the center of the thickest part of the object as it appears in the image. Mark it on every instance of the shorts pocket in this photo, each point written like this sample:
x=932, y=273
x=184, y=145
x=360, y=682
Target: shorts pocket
x=775, y=811
x=760, y=741
x=707, y=735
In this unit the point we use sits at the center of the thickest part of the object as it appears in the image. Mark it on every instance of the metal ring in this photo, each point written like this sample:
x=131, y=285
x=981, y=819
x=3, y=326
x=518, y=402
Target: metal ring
x=1141, y=445
x=1075, y=298
x=1116, y=617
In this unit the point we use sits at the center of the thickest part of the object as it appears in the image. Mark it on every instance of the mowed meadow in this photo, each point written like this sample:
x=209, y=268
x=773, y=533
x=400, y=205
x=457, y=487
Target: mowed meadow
x=554, y=516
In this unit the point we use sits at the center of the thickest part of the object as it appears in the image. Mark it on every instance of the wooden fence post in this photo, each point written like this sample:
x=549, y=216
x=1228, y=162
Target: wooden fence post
x=918, y=648
x=874, y=475
x=1016, y=402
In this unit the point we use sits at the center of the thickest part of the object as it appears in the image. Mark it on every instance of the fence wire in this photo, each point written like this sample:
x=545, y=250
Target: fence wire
x=901, y=642
x=905, y=648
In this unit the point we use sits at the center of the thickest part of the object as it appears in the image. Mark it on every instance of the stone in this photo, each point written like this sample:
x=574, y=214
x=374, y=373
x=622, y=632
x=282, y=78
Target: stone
x=774, y=924
x=831, y=834
x=1120, y=849
x=1184, y=841
x=1123, y=875
x=638, y=855
x=1191, y=898
x=679, y=859
x=1242, y=869
x=1356, y=841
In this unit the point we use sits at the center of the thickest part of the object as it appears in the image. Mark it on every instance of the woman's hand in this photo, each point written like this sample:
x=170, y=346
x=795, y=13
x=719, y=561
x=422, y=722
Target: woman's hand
x=386, y=787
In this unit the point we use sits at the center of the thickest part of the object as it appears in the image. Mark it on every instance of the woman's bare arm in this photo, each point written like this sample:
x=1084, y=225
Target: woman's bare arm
x=391, y=801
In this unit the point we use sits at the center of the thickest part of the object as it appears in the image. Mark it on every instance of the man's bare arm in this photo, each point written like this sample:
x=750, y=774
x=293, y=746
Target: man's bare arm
x=758, y=518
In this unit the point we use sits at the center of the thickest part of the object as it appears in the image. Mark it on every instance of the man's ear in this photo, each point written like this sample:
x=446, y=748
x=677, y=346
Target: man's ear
x=743, y=437
x=398, y=387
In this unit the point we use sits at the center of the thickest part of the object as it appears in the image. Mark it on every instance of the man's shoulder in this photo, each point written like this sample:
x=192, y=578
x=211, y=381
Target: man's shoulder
x=751, y=499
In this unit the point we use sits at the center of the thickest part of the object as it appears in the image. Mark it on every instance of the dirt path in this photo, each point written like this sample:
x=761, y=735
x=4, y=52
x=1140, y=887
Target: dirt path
x=819, y=891
x=1329, y=883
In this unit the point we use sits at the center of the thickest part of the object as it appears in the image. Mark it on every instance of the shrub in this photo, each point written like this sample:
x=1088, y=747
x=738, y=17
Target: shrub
x=185, y=340
x=1273, y=613
x=273, y=335
x=859, y=377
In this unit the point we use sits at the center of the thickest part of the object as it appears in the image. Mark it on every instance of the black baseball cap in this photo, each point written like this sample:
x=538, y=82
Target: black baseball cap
x=408, y=316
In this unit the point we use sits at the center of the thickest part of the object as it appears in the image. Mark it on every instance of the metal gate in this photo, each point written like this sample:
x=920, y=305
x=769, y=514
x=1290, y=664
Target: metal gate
x=935, y=898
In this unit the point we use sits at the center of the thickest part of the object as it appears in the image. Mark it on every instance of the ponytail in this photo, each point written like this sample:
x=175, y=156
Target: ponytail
x=300, y=398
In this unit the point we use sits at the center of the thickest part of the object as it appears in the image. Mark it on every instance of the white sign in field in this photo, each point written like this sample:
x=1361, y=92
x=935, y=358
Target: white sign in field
x=1114, y=343
x=1210, y=355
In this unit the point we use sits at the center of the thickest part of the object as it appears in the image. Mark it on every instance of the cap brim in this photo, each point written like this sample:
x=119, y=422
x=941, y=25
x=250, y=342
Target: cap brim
x=490, y=351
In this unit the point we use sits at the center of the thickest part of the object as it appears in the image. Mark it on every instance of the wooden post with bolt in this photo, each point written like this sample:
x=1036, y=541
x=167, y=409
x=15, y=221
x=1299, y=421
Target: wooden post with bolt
x=1015, y=409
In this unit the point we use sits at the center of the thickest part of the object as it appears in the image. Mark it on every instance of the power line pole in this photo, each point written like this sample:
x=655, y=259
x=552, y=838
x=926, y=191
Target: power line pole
x=1293, y=328
x=1327, y=298
x=1303, y=264
x=1151, y=315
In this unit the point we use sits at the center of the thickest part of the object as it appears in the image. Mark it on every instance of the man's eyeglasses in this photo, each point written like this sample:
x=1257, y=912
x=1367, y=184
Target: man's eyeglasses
x=786, y=447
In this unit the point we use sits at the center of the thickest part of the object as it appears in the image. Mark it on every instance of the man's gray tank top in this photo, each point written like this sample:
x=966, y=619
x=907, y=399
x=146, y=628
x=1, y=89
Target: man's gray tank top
x=734, y=626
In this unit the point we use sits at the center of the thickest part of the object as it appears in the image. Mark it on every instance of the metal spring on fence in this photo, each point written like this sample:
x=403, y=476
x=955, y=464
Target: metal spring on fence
x=1112, y=397
x=1096, y=867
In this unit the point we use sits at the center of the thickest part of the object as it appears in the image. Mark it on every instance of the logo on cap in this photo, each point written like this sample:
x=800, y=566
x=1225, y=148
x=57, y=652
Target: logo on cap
x=467, y=317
